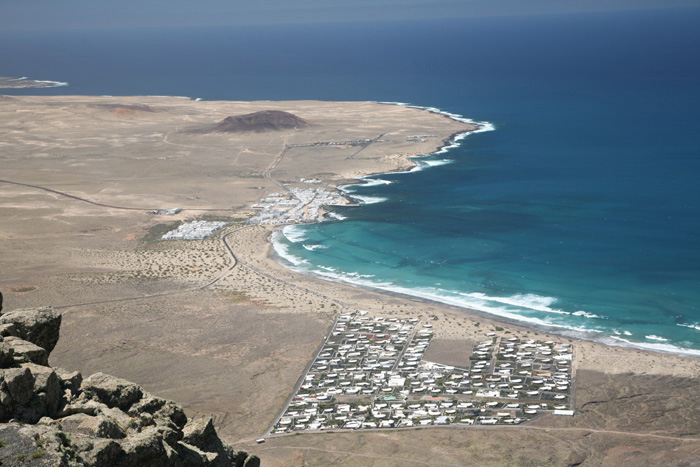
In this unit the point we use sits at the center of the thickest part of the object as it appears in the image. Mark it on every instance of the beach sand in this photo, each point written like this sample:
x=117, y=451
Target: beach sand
x=135, y=307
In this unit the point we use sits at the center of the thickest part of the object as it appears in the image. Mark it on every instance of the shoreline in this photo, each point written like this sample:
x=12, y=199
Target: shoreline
x=27, y=83
x=454, y=140
x=456, y=325
x=608, y=341
x=234, y=350
x=339, y=172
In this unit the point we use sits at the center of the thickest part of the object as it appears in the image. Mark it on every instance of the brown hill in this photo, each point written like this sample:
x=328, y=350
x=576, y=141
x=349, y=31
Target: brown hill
x=266, y=120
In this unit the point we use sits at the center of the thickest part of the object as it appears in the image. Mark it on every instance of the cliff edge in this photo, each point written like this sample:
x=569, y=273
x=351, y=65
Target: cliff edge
x=51, y=416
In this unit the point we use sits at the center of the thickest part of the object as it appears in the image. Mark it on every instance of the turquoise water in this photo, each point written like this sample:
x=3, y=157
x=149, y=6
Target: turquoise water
x=580, y=211
x=540, y=241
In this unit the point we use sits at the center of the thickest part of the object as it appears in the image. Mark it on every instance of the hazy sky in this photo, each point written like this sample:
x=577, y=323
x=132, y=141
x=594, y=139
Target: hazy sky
x=82, y=14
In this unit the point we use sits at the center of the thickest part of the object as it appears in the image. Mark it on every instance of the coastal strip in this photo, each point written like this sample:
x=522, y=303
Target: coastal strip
x=24, y=82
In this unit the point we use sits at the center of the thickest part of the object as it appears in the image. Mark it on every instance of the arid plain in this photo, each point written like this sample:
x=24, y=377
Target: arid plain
x=230, y=337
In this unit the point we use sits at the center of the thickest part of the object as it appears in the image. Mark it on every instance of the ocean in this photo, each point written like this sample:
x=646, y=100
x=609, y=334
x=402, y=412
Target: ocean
x=579, y=212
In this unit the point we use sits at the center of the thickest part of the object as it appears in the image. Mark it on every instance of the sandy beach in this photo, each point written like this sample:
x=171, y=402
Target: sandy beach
x=229, y=335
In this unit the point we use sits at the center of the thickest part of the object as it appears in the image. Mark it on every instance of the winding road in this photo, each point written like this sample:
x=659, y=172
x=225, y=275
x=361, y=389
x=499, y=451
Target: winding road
x=103, y=205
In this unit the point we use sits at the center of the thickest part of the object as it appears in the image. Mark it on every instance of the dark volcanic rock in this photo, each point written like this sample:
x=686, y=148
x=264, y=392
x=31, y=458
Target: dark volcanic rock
x=201, y=433
x=25, y=351
x=105, y=420
x=16, y=386
x=266, y=120
x=6, y=355
x=39, y=326
x=111, y=391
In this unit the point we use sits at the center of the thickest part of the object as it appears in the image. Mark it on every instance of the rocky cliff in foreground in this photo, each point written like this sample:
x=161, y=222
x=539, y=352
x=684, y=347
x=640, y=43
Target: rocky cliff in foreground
x=50, y=416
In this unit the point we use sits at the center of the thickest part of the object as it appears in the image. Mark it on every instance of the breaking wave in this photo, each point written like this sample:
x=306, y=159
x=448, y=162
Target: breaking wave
x=294, y=233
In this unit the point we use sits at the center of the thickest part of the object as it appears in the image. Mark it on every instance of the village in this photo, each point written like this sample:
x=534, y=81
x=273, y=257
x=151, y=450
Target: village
x=370, y=374
x=195, y=230
x=297, y=206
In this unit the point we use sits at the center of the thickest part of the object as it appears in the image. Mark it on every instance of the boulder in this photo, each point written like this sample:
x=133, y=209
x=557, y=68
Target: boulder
x=99, y=421
x=94, y=426
x=101, y=452
x=7, y=329
x=111, y=391
x=25, y=351
x=143, y=449
x=69, y=379
x=193, y=456
x=159, y=409
x=85, y=407
x=202, y=434
x=39, y=326
x=47, y=394
x=123, y=420
x=18, y=383
x=6, y=355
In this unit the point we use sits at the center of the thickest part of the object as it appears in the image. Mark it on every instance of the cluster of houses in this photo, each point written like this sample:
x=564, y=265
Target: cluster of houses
x=165, y=212
x=357, y=142
x=419, y=138
x=195, y=230
x=298, y=206
x=370, y=373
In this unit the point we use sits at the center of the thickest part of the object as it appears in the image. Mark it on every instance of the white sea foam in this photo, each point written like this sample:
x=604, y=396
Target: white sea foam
x=614, y=340
x=483, y=126
x=373, y=182
x=283, y=250
x=498, y=306
x=436, y=163
x=422, y=164
x=530, y=301
x=656, y=338
x=357, y=274
x=369, y=199
x=586, y=314
x=315, y=247
x=695, y=326
x=336, y=216
x=52, y=84
x=477, y=302
x=294, y=233
x=455, y=142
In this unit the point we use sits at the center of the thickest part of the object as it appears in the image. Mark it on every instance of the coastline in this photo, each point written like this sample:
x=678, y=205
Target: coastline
x=550, y=330
x=25, y=83
x=455, y=324
x=454, y=141
x=141, y=310
x=362, y=171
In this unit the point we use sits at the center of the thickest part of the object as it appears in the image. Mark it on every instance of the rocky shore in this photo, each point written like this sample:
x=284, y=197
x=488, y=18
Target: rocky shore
x=52, y=416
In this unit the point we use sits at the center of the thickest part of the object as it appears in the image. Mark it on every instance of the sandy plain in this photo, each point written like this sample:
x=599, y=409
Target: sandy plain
x=147, y=311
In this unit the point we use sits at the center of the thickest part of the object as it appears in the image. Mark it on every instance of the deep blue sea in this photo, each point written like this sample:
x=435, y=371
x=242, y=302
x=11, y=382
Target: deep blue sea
x=579, y=212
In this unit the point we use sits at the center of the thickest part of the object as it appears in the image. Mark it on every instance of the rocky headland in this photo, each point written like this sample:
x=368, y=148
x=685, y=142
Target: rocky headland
x=24, y=82
x=52, y=416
